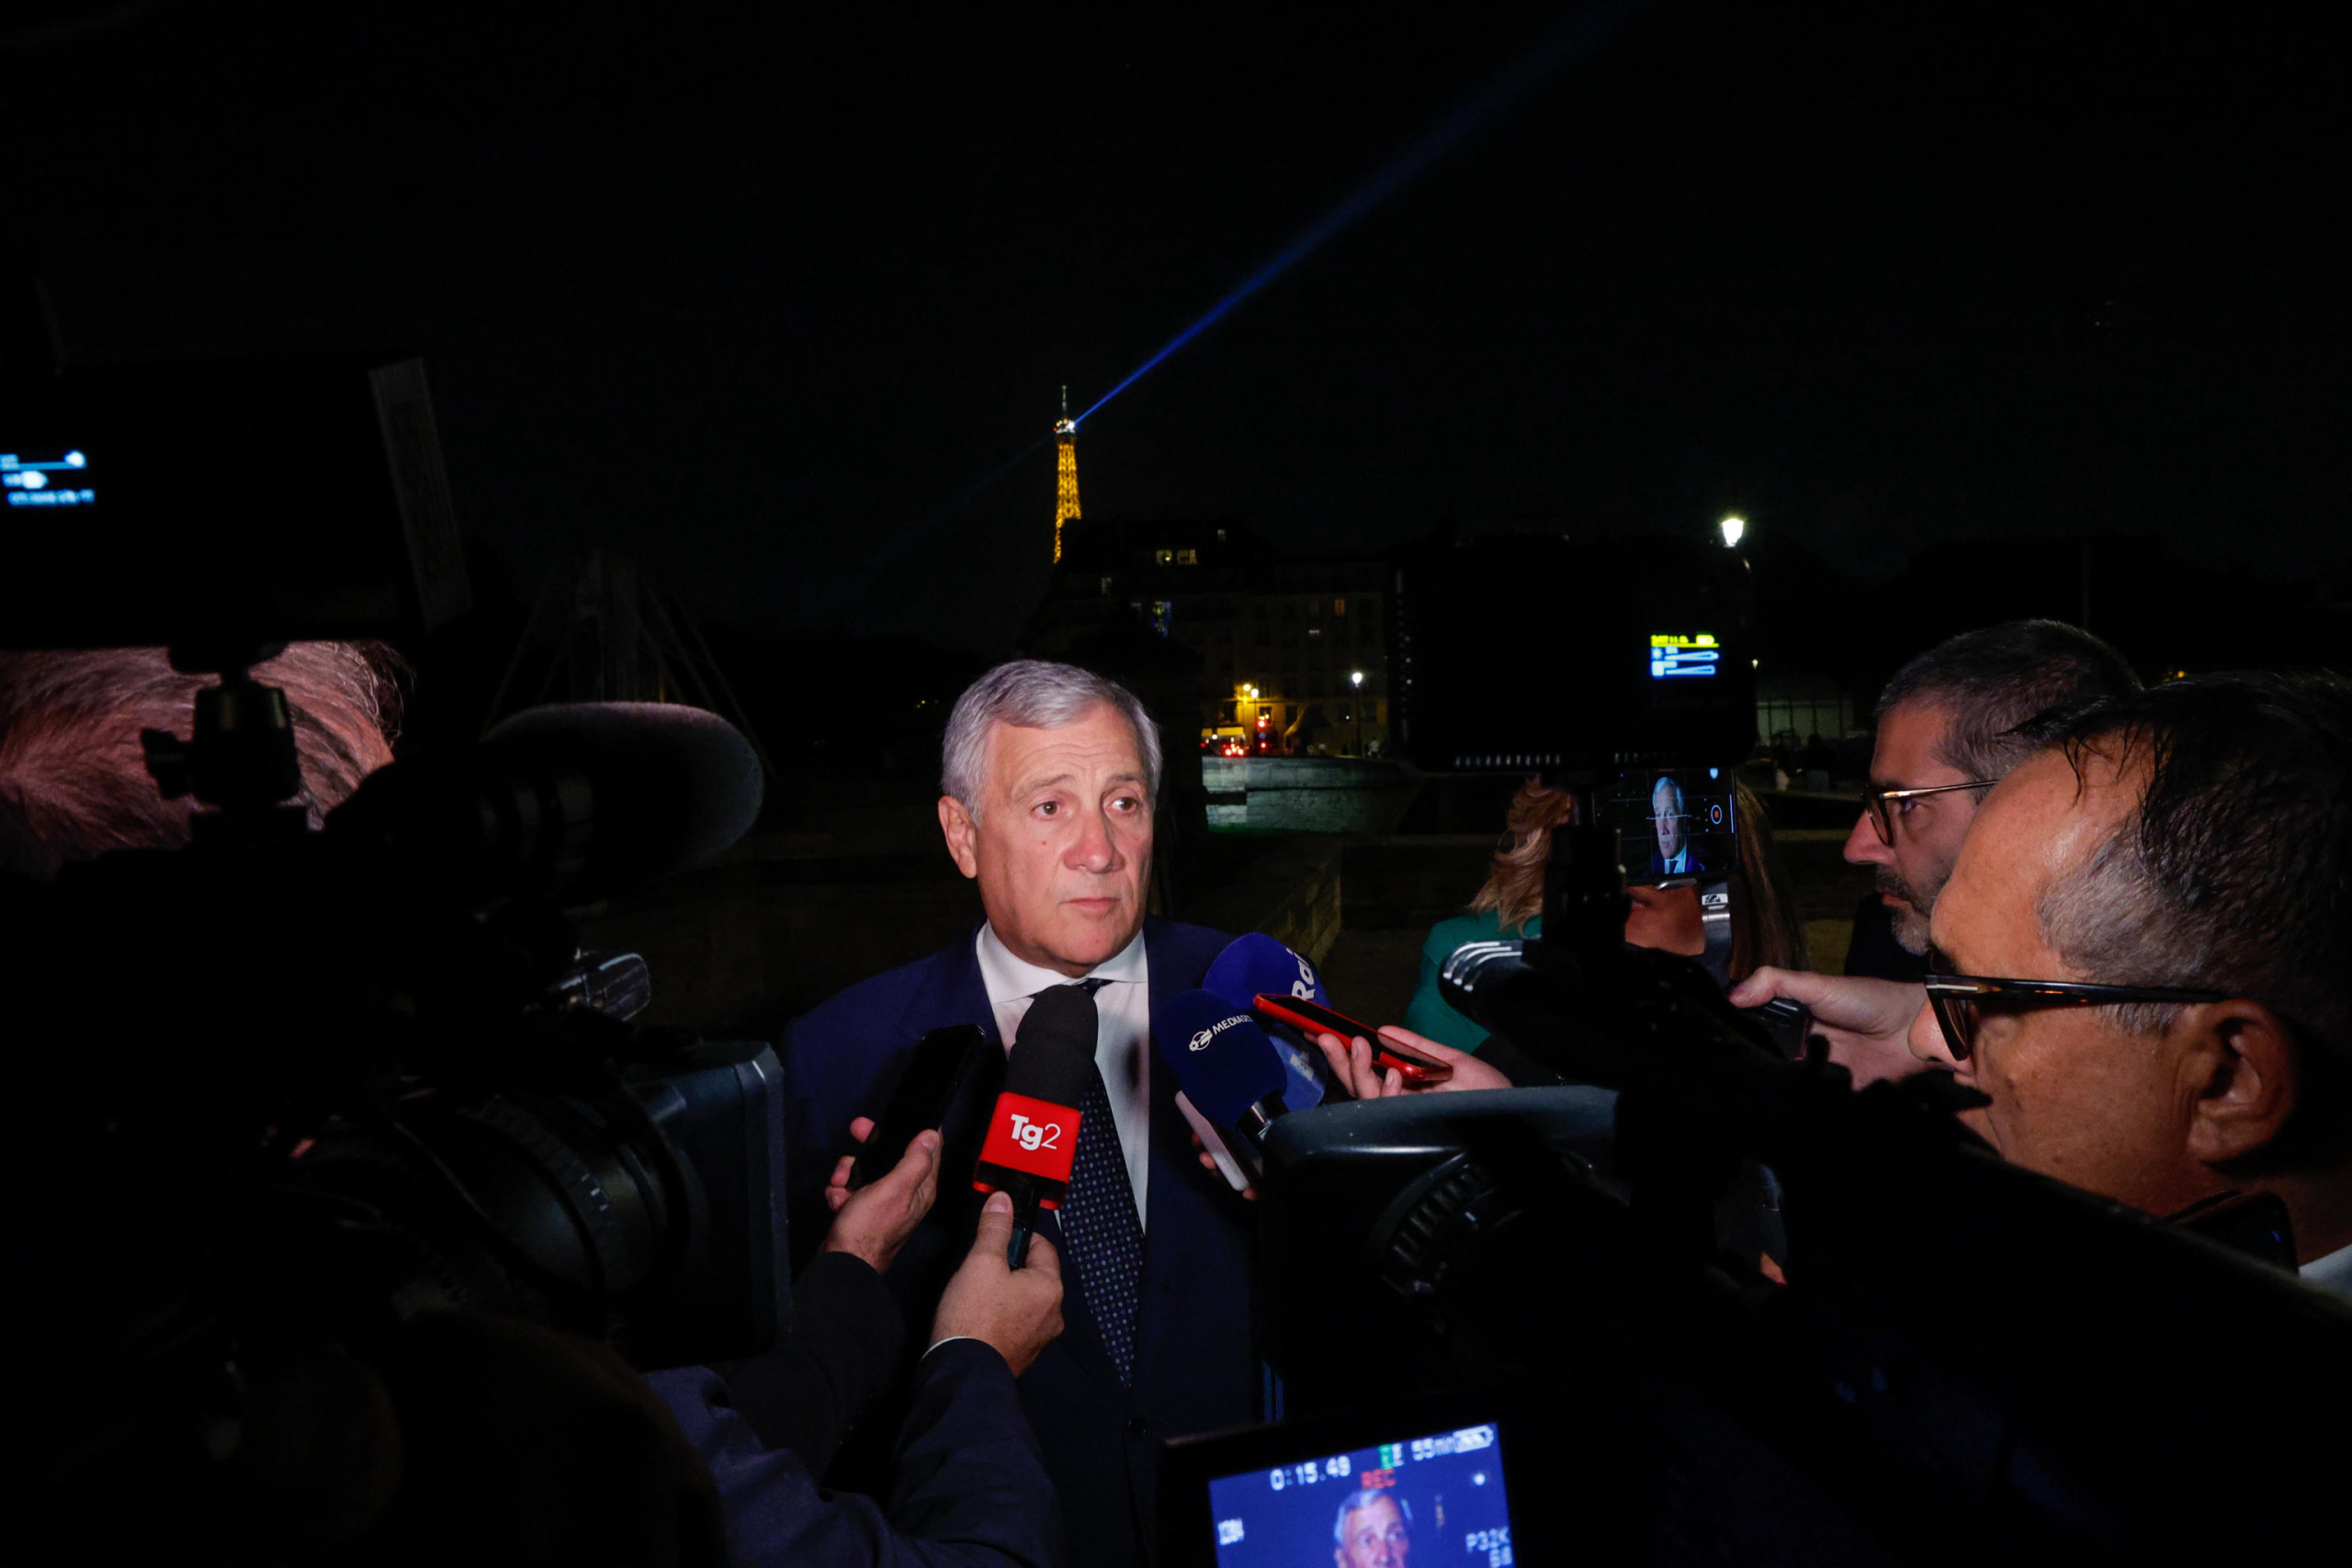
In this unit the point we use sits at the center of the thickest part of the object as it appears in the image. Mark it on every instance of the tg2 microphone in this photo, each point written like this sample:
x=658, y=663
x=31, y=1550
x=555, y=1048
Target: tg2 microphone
x=1032, y=1132
x=1227, y=1067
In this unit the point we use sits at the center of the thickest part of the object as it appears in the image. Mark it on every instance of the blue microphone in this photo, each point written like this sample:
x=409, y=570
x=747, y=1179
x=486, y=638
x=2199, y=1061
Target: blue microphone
x=1253, y=966
x=1227, y=1067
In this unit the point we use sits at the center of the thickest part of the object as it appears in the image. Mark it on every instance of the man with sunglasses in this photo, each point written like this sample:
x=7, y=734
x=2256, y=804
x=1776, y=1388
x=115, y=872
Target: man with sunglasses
x=2144, y=956
x=1947, y=733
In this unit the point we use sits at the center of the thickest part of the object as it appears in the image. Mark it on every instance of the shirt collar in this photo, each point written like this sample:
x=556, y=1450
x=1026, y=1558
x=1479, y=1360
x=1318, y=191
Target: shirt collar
x=1007, y=976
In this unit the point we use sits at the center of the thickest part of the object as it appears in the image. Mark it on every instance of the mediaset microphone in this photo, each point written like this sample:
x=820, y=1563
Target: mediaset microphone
x=1227, y=1067
x=1032, y=1132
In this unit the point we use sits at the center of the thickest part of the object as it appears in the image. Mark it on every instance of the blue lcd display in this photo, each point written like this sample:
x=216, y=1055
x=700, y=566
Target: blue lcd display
x=47, y=481
x=1433, y=1499
x=1677, y=656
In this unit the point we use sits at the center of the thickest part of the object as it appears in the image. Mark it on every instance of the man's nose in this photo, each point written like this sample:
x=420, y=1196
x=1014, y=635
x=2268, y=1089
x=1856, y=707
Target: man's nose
x=1926, y=1038
x=1093, y=849
x=1864, y=846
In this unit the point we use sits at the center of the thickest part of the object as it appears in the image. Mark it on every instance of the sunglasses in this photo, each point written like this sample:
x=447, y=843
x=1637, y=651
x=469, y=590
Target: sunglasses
x=1960, y=1001
x=1879, y=803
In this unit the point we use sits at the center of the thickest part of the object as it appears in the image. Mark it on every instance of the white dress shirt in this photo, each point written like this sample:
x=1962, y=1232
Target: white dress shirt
x=2332, y=1272
x=1121, y=1042
x=1679, y=861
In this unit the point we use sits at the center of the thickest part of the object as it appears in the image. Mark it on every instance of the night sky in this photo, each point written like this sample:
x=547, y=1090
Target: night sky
x=755, y=292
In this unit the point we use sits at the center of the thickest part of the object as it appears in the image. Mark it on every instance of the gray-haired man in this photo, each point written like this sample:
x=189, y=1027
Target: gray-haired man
x=1374, y=1530
x=1047, y=783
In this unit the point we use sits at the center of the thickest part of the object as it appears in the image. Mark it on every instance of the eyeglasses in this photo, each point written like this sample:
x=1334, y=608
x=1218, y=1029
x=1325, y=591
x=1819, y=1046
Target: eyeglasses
x=1877, y=802
x=1960, y=1000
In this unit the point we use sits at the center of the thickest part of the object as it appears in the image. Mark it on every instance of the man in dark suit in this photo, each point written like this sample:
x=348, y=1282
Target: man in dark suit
x=1049, y=779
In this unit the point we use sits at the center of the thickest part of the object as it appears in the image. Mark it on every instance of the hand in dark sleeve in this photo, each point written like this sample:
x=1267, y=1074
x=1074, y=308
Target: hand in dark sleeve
x=827, y=1370
x=842, y=1347
x=974, y=1490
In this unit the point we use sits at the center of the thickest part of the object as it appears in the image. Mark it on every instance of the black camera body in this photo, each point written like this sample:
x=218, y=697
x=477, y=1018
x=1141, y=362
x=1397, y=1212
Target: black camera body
x=285, y=1087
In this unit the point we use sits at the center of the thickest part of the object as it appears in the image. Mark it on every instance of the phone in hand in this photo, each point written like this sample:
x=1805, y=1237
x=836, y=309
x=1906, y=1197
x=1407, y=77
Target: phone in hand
x=943, y=1060
x=1316, y=1018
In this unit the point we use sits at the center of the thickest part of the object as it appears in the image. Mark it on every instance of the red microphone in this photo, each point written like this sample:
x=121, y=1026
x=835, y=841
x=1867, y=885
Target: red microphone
x=1033, y=1133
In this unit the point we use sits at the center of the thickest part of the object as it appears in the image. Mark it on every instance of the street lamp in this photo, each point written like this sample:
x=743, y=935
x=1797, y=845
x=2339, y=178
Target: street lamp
x=1734, y=528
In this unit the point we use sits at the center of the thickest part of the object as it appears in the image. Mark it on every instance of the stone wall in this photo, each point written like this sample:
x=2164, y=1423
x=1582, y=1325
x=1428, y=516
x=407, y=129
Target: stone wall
x=1307, y=795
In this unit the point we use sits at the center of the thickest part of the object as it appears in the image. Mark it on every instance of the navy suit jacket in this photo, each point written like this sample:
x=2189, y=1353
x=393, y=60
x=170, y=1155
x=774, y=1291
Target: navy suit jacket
x=1196, y=1364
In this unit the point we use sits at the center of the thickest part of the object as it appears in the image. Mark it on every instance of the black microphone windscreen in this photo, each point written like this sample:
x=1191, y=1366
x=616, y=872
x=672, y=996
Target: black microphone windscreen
x=670, y=785
x=1053, y=1049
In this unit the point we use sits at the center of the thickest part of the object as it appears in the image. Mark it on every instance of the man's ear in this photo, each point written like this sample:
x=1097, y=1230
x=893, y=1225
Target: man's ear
x=957, y=825
x=2247, y=1079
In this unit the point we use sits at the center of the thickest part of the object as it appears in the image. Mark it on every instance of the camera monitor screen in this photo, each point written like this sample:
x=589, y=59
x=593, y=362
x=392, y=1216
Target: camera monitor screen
x=1673, y=824
x=1429, y=1498
x=1675, y=833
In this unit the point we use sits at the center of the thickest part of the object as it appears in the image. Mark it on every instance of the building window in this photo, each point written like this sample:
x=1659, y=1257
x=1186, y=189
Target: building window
x=1162, y=557
x=1106, y=588
x=1315, y=631
x=1220, y=535
x=1188, y=557
x=1338, y=607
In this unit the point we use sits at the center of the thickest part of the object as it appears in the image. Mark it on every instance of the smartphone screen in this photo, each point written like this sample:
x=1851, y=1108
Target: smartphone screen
x=1301, y=1013
x=1678, y=839
x=923, y=1096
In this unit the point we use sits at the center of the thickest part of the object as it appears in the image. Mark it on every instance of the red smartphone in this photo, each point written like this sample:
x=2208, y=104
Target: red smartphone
x=1316, y=1018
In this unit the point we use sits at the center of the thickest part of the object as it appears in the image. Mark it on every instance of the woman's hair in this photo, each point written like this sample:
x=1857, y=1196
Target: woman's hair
x=73, y=780
x=1765, y=925
x=1514, y=888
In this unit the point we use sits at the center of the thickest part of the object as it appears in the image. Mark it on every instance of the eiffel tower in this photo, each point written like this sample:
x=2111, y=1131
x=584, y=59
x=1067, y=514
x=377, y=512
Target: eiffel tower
x=1064, y=474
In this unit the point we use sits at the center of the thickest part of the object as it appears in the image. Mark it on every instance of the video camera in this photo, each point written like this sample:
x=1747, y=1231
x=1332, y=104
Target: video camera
x=285, y=1086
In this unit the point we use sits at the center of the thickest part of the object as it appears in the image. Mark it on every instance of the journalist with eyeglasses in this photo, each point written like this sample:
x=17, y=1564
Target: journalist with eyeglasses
x=2141, y=956
x=1947, y=734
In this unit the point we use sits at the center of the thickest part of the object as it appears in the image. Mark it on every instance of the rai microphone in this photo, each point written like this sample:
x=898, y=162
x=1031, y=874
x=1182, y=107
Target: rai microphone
x=1033, y=1133
x=1254, y=966
x=1227, y=1067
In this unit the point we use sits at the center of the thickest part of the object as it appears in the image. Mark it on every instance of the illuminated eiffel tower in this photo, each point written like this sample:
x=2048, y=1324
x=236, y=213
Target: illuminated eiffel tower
x=1064, y=474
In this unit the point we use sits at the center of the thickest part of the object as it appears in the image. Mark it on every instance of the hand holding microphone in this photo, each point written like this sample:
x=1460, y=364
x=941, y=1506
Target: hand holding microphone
x=1015, y=1309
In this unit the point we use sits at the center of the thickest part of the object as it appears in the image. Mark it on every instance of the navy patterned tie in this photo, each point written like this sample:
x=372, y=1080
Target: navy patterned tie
x=1100, y=1224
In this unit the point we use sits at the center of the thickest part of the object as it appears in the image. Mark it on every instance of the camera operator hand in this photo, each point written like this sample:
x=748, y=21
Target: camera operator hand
x=874, y=1222
x=1351, y=1064
x=1867, y=1021
x=1015, y=1312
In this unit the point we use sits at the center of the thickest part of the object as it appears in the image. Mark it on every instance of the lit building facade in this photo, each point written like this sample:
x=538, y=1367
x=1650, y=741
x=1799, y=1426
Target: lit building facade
x=1292, y=650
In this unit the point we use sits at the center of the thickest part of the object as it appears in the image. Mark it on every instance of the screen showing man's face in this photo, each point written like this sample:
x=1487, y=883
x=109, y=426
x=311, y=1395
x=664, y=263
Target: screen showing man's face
x=1375, y=1537
x=1666, y=816
x=1364, y=1507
